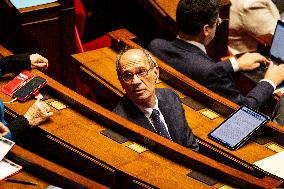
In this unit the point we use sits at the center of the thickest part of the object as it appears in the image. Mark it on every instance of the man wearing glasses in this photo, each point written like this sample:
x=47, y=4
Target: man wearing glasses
x=158, y=110
x=197, y=21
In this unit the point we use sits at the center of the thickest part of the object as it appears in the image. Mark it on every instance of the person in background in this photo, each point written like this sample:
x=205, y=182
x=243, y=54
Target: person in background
x=158, y=110
x=39, y=111
x=197, y=21
x=249, y=19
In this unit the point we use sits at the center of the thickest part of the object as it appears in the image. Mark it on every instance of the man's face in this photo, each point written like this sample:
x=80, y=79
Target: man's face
x=138, y=78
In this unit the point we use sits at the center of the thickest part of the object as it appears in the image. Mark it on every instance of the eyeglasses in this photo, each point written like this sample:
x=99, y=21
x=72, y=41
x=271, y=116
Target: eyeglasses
x=140, y=73
x=221, y=20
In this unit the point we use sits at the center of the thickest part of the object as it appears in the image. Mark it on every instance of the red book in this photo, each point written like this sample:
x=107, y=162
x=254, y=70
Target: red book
x=16, y=83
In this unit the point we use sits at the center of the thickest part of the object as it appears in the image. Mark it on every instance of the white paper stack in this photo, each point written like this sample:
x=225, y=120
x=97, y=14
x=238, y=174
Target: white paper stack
x=273, y=164
x=7, y=167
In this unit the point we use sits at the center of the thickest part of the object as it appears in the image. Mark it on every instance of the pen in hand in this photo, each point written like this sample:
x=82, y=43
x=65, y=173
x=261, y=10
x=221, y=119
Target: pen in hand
x=20, y=181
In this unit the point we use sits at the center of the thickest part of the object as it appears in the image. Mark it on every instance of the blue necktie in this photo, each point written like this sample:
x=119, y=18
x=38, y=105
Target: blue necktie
x=159, y=125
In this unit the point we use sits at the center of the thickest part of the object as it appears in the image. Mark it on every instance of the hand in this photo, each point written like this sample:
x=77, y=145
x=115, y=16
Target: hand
x=3, y=130
x=38, y=113
x=251, y=61
x=38, y=62
x=275, y=73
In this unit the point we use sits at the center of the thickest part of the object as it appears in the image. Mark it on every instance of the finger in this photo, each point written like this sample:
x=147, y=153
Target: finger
x=266, y=61
x=40, y=66
x=48, y=114
x=256, y=65
x=3, y=130
x=260, y=57
x=37, y=102
x=5, y=133
x=43, y=59
x=44, y=106
x=270, y=65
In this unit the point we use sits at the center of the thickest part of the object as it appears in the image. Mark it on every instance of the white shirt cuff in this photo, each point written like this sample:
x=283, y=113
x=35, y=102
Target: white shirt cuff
x=234, y=63
x=269, y=81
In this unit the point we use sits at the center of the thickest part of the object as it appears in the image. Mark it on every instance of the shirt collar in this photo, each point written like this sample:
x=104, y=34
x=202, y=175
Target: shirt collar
x=197, y=44
x=148, y=111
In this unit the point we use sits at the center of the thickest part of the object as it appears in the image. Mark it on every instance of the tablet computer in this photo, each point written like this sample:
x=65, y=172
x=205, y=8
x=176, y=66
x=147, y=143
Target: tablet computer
x=234, y=131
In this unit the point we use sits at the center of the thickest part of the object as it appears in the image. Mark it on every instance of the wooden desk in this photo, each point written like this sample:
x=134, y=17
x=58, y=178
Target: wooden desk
x=46, y=29
x=74, y=138
x=101, y=64
x=38, y=170
x=164, y=12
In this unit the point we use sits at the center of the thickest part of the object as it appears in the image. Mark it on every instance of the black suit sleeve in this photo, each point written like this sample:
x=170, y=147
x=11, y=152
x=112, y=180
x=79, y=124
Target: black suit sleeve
x=188, y=137
x=15, y=63
x=18, y=126
x=217, y=76
x=222, y=83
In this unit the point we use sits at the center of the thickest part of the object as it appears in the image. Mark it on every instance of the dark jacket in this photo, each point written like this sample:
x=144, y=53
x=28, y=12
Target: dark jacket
x=16, y=64
x=173, y=112
x=217, y=76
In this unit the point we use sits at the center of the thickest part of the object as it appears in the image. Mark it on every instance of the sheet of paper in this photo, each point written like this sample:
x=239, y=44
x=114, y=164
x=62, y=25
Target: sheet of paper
x=29, y=3
x=273, y=164
x=8, y=168
x=5, y=146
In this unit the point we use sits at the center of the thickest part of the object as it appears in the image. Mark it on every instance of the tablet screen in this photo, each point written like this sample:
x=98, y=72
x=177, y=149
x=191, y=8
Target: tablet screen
x=238, y=126
x=277, y=45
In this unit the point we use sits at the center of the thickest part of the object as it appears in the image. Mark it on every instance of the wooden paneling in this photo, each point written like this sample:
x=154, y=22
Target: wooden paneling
x=46, y=29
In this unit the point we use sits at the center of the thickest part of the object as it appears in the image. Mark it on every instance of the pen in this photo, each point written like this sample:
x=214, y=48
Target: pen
x=20, y=181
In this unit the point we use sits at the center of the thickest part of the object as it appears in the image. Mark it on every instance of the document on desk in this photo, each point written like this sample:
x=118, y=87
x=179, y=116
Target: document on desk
x=8, y=168
x=28, y=3
x=5, y=146
x=273, y=164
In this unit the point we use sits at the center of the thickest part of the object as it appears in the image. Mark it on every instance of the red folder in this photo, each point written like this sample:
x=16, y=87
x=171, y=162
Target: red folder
x=16, y=83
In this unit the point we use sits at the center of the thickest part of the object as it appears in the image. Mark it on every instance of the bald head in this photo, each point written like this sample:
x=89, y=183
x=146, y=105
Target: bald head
x=138, y=72
x=134, y=56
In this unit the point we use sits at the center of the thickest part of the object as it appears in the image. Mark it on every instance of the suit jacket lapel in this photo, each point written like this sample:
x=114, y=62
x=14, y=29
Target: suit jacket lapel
x=167, y=112
x=135, y=115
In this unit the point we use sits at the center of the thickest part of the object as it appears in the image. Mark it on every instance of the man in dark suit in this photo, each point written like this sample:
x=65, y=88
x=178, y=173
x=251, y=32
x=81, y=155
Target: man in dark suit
x=197, y=21
x=158, y=110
